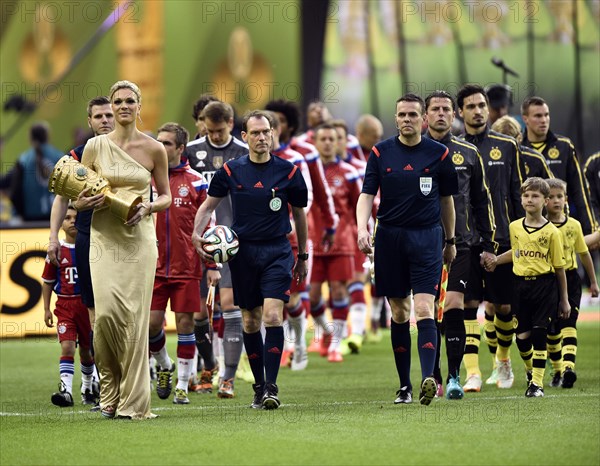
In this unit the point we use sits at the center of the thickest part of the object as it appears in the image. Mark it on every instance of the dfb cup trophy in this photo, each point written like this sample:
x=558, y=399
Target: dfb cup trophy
x=70, y=177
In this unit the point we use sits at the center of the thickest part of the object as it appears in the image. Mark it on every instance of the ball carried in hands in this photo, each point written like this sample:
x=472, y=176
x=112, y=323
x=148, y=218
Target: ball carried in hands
x=222, y=245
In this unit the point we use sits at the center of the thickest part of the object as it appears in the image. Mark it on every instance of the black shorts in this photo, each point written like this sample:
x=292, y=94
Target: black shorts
x=459, y=275
x=82, y=256
x=498, y=285
x=474, y=290
x=535, y=301
x=262, y=269
x=407, y=259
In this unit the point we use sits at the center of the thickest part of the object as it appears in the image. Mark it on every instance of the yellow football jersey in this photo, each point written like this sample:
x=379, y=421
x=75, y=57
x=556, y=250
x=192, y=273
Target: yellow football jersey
x=535, y=251
x=573, y=241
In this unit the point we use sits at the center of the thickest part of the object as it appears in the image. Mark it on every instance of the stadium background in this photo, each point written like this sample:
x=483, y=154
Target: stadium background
x=357, y=56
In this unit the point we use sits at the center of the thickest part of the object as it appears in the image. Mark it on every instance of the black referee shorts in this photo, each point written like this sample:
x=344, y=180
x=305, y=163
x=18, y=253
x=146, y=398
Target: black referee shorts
x=262, y=269
x=407, y=259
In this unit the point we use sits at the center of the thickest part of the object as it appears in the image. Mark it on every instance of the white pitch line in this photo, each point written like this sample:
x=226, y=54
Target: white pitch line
x=305, y=405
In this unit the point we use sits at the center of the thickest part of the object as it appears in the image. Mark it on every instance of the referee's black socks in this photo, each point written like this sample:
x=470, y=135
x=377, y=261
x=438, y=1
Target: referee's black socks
x=455, y=336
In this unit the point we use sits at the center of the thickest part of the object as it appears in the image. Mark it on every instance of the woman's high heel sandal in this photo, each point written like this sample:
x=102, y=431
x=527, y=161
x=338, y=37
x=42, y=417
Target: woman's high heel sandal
x=108, y=412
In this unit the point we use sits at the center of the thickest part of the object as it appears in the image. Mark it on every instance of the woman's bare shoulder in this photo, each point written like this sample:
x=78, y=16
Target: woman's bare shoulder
x=149, y=143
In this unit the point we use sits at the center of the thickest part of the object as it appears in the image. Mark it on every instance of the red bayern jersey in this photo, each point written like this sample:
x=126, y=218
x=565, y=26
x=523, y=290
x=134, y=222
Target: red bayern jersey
x=345, y=185
x=323, y=206
x=64, y=278
x=287, y=153
x=177, y=257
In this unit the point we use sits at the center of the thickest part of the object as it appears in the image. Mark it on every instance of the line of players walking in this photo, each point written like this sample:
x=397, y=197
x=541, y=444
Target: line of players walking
x=490, y=168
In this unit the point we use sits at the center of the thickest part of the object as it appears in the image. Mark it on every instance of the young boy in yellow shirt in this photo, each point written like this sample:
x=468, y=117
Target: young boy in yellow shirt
x=538, y=264
x=574, y=243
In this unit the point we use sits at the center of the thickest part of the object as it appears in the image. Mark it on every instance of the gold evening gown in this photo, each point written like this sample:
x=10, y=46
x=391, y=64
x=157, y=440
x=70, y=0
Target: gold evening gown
x=123, y=263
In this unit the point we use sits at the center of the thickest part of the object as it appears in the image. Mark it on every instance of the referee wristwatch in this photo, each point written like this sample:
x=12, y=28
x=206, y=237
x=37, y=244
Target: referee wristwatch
x=303, y=257
x=451, y=241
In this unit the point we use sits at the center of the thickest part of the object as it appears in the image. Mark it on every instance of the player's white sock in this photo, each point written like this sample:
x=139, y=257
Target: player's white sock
x=184, y=369
x=289, y=335
x=67, y=369
x=87, y=371
x=162, y=358
x=339, y=328
x=298, y=325
x=357, y=318
x=95, y=374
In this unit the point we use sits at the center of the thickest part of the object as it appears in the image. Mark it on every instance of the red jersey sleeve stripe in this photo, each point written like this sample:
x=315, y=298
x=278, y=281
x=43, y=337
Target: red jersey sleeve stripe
x=292, y=172
x=227, y=169
x=375, y=151
x=74, y=155
x=445, y=154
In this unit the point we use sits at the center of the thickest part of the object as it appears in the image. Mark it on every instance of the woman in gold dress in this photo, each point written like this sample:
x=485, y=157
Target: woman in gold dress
x=123, y=256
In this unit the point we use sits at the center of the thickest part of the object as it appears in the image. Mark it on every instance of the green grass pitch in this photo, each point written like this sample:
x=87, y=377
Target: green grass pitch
x=330, y=414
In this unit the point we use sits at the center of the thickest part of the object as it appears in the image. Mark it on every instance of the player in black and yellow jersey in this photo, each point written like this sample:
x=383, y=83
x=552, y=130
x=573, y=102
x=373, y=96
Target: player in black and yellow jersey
x=538, y=260
x=504, y=172
x=563, y=363
x=535, y=163
x=561, y=156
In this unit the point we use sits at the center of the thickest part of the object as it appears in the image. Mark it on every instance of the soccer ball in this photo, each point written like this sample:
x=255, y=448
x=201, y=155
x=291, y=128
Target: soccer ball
x=223, y=243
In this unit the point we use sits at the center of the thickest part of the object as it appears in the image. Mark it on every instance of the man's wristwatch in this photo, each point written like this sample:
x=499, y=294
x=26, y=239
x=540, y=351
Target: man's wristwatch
x=451, y=241
x=303, y=257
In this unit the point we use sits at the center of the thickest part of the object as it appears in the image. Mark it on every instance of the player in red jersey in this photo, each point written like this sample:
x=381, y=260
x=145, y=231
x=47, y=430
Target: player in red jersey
x=356, y=286
x=336, y=264
x=72, y=320
x=179, y=269
x=297, y=309
x=289, y=119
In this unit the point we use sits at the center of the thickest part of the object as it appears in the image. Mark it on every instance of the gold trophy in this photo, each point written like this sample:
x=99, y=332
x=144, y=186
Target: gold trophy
x=70, y=177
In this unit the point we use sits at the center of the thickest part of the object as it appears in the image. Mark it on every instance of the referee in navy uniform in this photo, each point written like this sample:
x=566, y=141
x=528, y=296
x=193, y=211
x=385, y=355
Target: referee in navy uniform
x=261, y=187
x=417, y=180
